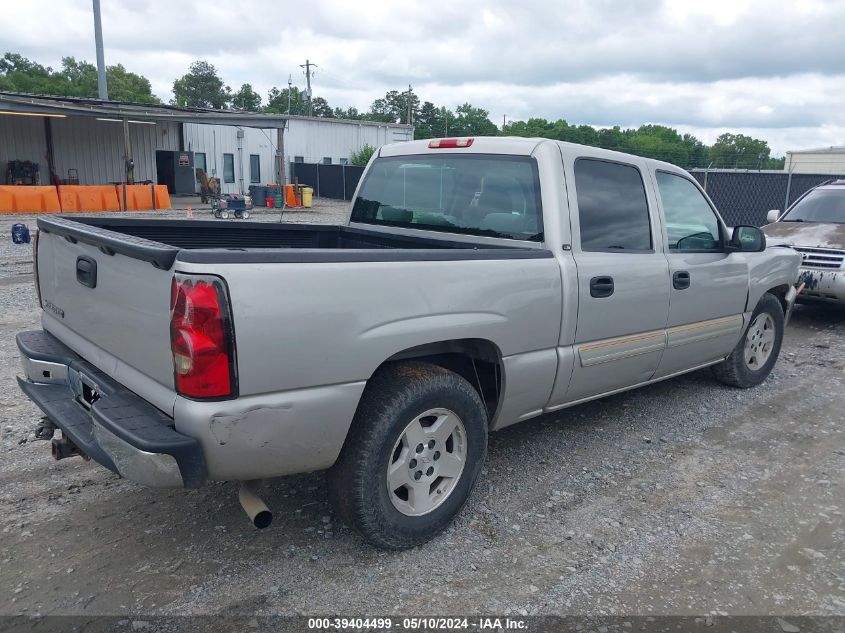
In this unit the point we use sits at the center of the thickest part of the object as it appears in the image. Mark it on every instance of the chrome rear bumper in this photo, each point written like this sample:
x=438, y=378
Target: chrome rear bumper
x=106, y=421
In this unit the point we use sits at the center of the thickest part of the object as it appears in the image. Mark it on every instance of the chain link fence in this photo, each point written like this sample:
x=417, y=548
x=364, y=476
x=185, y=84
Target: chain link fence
x=744, y=197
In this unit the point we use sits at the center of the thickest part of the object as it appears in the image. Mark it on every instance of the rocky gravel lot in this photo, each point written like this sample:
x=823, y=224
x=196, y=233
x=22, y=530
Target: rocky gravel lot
x=683, y=498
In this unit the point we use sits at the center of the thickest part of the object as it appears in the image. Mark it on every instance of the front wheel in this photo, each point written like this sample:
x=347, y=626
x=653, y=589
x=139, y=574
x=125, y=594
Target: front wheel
x=755, y=355
x=412, y=455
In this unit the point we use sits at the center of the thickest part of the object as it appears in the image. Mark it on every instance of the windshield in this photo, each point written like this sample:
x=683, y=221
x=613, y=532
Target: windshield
x=820, y=205
x=476, y=194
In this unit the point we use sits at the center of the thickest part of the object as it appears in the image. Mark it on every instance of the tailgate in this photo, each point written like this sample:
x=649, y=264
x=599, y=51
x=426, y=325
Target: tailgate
x=115, y=302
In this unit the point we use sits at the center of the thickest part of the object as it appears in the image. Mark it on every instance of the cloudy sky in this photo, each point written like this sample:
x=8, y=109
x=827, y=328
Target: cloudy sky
x=774, y=69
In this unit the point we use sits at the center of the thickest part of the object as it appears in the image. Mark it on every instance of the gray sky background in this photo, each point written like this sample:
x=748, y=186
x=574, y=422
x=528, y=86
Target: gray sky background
x=774, y=70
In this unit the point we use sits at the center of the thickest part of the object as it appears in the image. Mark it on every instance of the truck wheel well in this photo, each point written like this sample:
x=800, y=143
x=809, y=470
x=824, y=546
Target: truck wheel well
x=479, y=361
x=780, y=293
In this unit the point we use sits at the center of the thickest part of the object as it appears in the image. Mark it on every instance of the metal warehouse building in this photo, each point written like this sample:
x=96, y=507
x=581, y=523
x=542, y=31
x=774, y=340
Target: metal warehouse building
x=217, y=148
x=96, y=142
x=823, y=160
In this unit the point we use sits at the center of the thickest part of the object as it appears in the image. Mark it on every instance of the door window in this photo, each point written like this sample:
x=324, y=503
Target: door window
x=199, y=163
x=228, y=168
x=254, y=168
x=691, y=223
x=612, y=207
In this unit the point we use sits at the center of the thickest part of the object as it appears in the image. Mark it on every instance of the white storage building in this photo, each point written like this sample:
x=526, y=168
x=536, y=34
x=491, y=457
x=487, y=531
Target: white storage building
x=89, y=140
x=822, y=160
x=240, y=156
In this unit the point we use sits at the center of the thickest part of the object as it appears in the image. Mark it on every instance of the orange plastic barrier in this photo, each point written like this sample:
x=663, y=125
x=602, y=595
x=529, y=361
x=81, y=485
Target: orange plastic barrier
x=290, y=196
x=162, y=197
x=75, y=198
x=81, y=198
x=143, y=197
x=26, y=199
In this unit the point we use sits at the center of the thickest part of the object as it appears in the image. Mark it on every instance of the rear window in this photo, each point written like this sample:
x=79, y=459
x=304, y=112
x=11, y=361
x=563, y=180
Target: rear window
x=820, y=205
x=495, y=196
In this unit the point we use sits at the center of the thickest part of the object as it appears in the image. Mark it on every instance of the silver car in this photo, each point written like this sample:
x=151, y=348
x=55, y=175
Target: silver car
x=815, y=227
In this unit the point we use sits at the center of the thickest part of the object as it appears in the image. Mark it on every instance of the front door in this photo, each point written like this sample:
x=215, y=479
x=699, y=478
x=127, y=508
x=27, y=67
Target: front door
x=623, y=296
x=709, y=287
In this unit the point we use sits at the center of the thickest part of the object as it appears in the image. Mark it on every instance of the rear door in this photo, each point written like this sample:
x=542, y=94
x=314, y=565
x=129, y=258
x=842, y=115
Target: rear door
x=709, y=287
x=623, y=296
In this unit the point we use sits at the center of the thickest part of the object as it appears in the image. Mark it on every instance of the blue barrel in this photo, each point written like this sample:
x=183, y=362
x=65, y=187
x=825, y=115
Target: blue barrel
x=20, y=233
x=258, y=193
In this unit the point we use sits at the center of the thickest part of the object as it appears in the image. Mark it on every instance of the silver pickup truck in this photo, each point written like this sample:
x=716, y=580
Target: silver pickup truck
x=478, y=283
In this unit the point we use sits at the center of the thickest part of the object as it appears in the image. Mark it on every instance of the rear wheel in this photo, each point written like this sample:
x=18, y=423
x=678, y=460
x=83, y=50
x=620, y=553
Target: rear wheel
x=755, y=355
x=412, y=456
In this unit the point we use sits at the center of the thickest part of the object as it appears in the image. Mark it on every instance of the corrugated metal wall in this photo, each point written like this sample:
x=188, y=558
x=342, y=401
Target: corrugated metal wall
x=216, y=140
x=829, y=162
x=95, y=148
x=22, y=138
x=313, y=140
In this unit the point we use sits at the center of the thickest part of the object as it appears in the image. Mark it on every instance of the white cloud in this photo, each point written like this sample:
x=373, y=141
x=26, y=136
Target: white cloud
x=721, y=65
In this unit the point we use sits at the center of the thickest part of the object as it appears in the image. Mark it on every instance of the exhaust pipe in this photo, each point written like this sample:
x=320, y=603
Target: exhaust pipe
x=255, y=508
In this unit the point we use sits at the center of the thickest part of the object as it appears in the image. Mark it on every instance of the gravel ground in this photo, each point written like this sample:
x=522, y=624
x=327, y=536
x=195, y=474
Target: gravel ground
x=683, y=498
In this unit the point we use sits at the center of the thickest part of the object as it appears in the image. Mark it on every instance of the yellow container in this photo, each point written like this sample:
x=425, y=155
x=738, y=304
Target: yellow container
x=307, y=197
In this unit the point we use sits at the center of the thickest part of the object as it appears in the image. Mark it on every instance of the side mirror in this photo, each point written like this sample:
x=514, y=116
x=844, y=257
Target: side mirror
x=772, y=216
x=747, y=239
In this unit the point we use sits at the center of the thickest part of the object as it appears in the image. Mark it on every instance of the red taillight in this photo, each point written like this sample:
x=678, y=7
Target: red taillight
x=35, y=265
x=447, y=143
x=202, y=338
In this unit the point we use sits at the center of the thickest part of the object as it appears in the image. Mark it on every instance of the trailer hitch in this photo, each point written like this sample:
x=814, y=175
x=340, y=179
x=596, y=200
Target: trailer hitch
x=63, y=447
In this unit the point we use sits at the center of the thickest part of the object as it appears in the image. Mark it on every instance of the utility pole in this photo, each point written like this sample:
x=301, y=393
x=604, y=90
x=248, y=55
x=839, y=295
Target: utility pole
x=504, y=122
x=307, y=66
x=290, y=88
x=102, y=88
x=408, y=119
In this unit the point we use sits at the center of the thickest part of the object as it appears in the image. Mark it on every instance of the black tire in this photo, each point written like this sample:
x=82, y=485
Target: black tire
x=394, y=396
x=734, y=371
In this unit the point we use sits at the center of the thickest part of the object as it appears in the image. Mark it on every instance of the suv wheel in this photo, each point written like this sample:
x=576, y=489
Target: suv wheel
x=412, y=456
x=757, y=351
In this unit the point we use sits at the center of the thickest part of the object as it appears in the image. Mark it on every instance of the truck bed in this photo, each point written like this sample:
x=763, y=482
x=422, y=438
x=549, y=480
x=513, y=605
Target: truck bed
x=161, y=241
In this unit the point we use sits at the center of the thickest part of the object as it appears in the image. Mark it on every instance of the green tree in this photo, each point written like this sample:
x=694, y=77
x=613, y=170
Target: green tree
x=363, y=155
x=126, y=86
x=277, y=101
x=74, y=79
x=431, y=121
x=393, y=107
x=472, y=121
x=739, y=151
x=247, y=99
x=349, y=113
x=656, y=141
x=201, y=87
x=320, y=107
